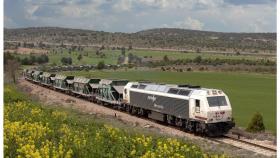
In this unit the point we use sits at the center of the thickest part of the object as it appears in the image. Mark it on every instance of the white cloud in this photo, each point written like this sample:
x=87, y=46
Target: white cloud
x=187, y=23
x=157, y=3
x=135, y=15
x=122, y=5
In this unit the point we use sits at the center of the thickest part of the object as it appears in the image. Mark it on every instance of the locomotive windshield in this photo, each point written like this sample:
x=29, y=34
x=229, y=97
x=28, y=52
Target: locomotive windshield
x=217, y=101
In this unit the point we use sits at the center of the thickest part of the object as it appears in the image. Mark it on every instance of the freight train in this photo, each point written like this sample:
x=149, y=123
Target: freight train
x=191, y=108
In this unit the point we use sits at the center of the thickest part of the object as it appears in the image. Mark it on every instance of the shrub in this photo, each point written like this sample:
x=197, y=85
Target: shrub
x=256, y=124
x=79, y=57
x=100, y=65
x=66, y=61
x=198, y=59
x=165, y=58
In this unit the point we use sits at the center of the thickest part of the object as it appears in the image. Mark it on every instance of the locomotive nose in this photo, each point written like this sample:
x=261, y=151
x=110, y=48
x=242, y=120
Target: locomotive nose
x=219, y=116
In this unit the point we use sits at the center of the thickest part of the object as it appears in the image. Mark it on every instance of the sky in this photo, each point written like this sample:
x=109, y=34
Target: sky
x=137, y=15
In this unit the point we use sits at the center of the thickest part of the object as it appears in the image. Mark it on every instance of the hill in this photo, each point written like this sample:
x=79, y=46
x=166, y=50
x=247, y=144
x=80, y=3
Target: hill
x=164, y=38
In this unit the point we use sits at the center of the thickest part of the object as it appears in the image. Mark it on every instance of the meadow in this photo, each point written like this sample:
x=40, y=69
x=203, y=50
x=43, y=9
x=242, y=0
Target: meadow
x=33, y=130
x=248, y=93
x=111, y=56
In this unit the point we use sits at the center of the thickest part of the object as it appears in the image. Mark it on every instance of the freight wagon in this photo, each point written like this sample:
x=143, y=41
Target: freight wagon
x=47, y=79
x=85, y=87
x=111, y=91
x=36, y=76
x=62, y=82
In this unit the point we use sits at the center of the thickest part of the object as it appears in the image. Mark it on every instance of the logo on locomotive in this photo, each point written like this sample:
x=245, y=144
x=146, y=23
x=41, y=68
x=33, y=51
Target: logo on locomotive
x=219, y=115
x=152, y=98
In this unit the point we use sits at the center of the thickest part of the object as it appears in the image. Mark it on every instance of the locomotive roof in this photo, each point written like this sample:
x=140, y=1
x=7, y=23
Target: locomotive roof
x=177, y=89
x=165, y=88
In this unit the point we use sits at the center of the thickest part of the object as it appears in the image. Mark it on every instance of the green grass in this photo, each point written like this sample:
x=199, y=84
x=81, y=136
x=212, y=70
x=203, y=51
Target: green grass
x=180, y=55
x=248, y=93
x=112, y=56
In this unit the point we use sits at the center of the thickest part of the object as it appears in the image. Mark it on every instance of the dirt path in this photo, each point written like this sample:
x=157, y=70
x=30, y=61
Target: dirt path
x=54, y=98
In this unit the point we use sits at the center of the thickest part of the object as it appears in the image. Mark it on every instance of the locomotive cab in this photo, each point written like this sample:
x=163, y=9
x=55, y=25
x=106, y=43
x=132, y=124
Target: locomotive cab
x=211, y=108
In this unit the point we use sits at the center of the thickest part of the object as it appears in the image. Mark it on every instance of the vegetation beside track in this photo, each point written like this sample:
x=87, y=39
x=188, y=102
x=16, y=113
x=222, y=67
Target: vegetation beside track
x=33, y=130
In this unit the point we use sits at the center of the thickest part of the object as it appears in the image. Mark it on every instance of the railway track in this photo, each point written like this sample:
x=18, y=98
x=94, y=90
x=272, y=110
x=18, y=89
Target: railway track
x=226, y=139
x=244, y=144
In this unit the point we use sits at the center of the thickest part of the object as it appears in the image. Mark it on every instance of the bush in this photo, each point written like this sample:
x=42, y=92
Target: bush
x=256, y=124
x=66, y=61
x=79, y=57
x=100, y=65
x=198, y=59
x=165, y=58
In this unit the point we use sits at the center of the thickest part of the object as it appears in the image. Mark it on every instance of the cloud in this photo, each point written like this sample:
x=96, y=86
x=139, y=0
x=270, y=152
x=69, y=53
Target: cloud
x=122, y=5
x=187, y=23
x=242, y=2
x=136, y=15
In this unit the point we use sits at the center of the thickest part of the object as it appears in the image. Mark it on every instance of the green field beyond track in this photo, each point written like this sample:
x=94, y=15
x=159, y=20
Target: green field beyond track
x=111, y=57
x=248, y=93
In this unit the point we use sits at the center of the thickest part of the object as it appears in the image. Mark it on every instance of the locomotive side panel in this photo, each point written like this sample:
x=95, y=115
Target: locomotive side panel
x=167, y=105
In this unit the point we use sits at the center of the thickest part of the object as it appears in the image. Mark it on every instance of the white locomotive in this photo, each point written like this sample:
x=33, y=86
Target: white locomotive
x=196, y=109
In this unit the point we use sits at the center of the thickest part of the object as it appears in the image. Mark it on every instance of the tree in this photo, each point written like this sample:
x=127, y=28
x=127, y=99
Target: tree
x=69, y=60
x=198, y=50
x=102, y=47
x=45, y=58
x=130, y=58
x=123, y=50
x=8, y=56
x=100, y=65
x=256, y=124
x=79, y=57
x=66, y=61
x=40, y=60
x=165, y=58
x=121, y=59
x=32, y=59
x=198, y=59
x=25, y=61
x=11, y=68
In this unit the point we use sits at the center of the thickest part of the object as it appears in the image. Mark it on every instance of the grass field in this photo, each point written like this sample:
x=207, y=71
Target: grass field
x=111, y=56
x=248, y=93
